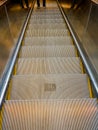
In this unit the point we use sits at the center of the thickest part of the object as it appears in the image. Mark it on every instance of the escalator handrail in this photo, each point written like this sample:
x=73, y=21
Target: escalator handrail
x=89, y=67
x=11, y=63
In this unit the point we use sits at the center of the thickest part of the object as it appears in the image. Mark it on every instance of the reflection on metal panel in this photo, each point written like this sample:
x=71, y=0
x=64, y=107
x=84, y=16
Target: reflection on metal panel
x=95, y=1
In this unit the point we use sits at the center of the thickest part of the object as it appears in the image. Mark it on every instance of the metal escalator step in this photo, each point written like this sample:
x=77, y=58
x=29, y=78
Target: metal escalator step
x=49, y=5
x=47, y=8
x=47, y=51
x=46, y=11
x=78, y=114
x=48, y=65
x=50, y=17
x=34, y=21
x=47, y=26
x=50, y=12
x=45, y=16
x=60, y=86
x=61, y=40
x=47, y=32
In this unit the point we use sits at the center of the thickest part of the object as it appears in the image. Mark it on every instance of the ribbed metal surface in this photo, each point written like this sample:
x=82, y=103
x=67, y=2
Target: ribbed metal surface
x=46, y=12
x=46, y=16
x=60, y=86
x=47, y=26
x=47, y=51
x=46, y=32
x=46, y=21
x=62, y=40
x=47, y=9
x=48, y=65
x=51, y=115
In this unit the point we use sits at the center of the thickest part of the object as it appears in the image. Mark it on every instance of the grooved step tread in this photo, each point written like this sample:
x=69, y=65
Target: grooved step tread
x=47, y=9
x=46, y=21
x=47, y=32
x=46, y=12
x=46, y=16
x=47, y=26
x=78, y=114
x=48, y=40
x=47, y=51
x=60, y=86
x=48, y=65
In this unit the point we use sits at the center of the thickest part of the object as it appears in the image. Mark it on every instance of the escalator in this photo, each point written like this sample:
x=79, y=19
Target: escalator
x=49, y=90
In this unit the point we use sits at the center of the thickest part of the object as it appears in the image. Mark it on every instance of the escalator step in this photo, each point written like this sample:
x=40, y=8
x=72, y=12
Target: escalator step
x=47, y=26
x=34, y=21
x=46, y=16
x=47, y=51
x=75, y=114
x=48, y=65
x=60, y=86
x=62, y=40
x=46, y=32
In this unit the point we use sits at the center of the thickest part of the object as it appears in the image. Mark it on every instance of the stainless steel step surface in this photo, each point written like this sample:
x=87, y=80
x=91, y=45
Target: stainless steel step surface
x=47, y=12
x=46, y=32
x=47, y=51
x=46, y=16
x=48, y=65
x=46, y=26
x=53, y=86
x=33, y=21
x=75, y=114
x=61, y=40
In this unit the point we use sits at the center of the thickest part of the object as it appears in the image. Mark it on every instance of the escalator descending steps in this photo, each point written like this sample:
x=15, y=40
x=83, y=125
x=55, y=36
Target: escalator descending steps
x=49, y=91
